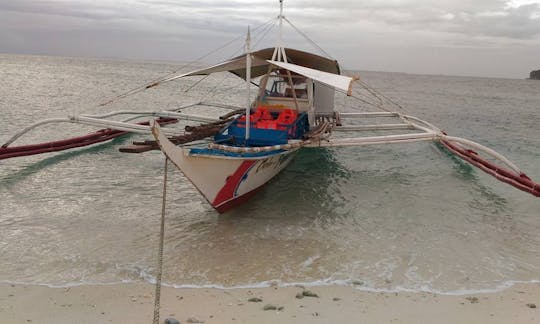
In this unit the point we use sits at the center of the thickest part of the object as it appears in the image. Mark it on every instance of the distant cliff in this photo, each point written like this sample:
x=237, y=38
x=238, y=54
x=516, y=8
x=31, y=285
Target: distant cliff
x=535, y=75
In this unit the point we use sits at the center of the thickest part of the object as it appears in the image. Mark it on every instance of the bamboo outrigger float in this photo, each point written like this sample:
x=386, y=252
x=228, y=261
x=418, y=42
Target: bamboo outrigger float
x=293, y=109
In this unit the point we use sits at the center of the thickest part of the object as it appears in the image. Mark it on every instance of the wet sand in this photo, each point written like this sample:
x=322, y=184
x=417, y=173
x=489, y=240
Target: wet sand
x=133, y=303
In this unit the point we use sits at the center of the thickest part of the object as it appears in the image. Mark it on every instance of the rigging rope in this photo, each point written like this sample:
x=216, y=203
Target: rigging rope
x=196, y=83
x=156, y=81
x=213, y=92
x=369, y=89
x=265, y=32
x=161, y=243
x=382, y=95
x=307, y=38
x=360, y=99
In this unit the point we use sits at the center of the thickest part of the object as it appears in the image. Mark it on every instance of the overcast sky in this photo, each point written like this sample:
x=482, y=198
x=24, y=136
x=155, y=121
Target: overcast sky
x=497, y=38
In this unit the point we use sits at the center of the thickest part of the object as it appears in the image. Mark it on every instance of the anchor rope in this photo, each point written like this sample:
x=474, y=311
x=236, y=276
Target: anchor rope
x=161, y=243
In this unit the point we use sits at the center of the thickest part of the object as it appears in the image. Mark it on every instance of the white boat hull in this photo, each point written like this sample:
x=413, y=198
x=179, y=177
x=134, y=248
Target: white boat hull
x=225, y=181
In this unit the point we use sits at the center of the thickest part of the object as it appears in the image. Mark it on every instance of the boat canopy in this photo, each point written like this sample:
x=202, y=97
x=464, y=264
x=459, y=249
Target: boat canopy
x=334, y=80
x=260, y=62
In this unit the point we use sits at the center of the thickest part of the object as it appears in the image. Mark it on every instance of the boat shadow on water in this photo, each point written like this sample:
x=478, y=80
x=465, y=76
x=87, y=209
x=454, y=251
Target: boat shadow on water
x=322, y=192
x=305, y=188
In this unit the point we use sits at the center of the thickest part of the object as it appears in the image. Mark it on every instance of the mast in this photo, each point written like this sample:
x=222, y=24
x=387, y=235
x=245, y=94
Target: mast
x=248, y=81
x=278, y=50
x=280, y=39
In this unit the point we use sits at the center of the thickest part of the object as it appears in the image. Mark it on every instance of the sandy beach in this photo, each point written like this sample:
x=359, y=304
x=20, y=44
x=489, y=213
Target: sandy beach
x=133, y=303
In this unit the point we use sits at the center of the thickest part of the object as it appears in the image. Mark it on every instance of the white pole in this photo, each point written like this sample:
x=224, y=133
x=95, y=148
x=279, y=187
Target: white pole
x=248, y=81
x=280, y=37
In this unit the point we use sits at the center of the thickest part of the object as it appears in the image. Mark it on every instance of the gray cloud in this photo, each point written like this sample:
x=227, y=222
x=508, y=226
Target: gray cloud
x=479, y=18
x=371, y=34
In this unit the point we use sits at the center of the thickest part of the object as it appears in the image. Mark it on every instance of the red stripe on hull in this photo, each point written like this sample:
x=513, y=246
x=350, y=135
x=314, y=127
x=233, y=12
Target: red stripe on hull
x=238, y=200
x=233, y=181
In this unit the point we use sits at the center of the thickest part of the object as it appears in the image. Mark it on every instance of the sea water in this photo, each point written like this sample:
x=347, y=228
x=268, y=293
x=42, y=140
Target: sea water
x=391, y=218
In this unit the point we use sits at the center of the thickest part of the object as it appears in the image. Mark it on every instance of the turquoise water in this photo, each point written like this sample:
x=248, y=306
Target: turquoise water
x=407, y=217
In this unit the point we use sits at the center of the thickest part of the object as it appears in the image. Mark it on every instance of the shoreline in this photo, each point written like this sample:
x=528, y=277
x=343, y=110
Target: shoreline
x=356, y=284
x=133, y=303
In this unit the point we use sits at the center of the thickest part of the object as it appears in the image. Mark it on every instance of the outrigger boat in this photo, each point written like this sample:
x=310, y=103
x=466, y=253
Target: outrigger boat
x=293, y=109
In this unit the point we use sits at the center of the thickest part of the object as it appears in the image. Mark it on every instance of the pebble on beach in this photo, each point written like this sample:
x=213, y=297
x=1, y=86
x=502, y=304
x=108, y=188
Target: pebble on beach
x=473, y=300
x=308, y=293
x=171, y=321
x=194, y=319
x=531, y=305
x=269, y=307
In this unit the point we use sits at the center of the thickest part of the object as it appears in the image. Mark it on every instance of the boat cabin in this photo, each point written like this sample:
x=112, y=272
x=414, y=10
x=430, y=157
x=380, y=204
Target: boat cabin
x=295, y=80
x=282, y=111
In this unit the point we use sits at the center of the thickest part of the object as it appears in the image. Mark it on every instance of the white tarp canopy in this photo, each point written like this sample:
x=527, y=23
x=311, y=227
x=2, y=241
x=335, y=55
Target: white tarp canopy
x=334, y=80
x=259, y=64
x=228, y=66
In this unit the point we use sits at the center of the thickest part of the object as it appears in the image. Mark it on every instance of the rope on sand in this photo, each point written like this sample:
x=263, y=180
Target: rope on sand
x=161, y=242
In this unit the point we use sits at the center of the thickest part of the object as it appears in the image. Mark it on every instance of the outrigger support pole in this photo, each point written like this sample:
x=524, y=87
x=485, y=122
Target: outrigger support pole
x=514, y=177
x=99, y=136
x=111, y=128
x=112, y=124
